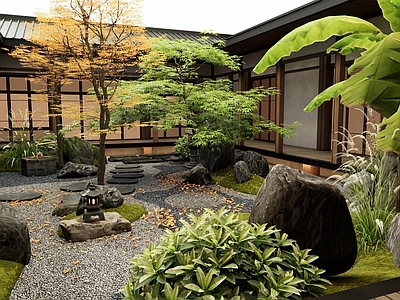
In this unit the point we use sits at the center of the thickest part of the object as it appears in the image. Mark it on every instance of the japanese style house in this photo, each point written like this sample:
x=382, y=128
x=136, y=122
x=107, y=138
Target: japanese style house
x=298, y=77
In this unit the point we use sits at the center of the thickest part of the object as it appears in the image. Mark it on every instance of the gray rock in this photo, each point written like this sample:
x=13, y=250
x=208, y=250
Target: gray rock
x=78, y=231
x=199, y=175
x=241, y=172
x=239, y=155
x=360, y=180
x=257, y=163
x=80, y=151
x=64, y=209
x=389, y=162
x=393, y=239
x=75, y=170
x=15, y=243
x=214, y=160
x=311, y=211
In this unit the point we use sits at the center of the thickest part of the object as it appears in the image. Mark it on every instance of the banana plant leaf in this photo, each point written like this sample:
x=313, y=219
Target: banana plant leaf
x=326, y=95
x=391, y=12
x=354, y=42
x=312, y=32
x=388, y=138
x=378, y=83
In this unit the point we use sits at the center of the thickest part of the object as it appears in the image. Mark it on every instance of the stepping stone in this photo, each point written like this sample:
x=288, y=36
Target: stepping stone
x=125, y=189
x=71, y=198
x=143, y=160
x=122, y=181
x=21, y=196
x=128, y=166
x=126, y=171
x=128, y=175
x=74, y=187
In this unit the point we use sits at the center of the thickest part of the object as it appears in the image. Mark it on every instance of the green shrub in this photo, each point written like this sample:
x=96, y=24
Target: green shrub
x=220, y=257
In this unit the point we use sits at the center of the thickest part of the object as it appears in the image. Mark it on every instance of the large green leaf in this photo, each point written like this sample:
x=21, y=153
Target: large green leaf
x=391, y=12
x=326, y=95
x=315, y=31
x=378, y=83
x=356, y=41
x=388, y=138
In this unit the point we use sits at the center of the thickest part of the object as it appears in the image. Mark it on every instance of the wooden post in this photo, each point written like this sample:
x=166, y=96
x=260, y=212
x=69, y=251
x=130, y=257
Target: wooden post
x=324, y=129
x=279, y=106
x=338, y=110
x=244, y=84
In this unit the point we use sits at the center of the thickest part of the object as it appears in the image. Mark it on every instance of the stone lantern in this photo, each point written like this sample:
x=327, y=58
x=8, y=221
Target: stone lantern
x=92, y=206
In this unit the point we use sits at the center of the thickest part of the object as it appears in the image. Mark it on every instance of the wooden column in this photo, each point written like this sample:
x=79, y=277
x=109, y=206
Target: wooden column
x=279, y=104
x=244, y=84
x=338, y=110
x=324, y=127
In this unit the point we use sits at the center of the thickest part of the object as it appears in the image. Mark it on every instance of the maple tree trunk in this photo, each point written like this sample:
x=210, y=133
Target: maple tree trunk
x=104, y=122
x=60, y=142
x=102, y=159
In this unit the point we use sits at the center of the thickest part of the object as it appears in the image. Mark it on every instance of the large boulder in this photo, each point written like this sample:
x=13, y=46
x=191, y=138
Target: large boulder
x=199, y=175
x=78, y=231
x=241, y=172
x=393, y=239
x=15, y=243
x=80, y=151
x=257, y=163
x=217, y=159
x=311, y=211
x=74, y=170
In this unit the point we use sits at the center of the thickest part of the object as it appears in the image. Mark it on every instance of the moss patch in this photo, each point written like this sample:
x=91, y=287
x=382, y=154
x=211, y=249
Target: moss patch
x=225, y=178
x=369, y=268
x=9, y=273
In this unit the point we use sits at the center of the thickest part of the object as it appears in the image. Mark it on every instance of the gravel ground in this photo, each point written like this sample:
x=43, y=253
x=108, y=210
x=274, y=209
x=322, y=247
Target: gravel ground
x=98, y=268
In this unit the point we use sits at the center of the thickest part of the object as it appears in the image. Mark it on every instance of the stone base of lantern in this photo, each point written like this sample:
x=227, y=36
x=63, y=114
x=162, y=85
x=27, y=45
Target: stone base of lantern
x=78, y=231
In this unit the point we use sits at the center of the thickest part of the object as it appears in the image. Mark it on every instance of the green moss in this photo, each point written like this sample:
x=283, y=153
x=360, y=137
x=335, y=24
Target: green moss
x=225, y=178
x=369, y=268
x=131, y=212
x=9, y=273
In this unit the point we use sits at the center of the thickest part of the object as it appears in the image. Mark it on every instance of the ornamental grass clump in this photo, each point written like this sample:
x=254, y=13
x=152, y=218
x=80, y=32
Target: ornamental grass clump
x=217, y=256
x=372, y=204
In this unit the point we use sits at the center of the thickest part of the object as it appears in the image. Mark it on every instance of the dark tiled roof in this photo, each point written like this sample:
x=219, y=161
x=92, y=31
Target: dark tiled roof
x=14, y=29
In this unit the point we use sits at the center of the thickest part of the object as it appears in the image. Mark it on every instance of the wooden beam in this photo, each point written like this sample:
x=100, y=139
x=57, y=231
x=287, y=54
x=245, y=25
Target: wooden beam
x=279, y=104
x=338, y=110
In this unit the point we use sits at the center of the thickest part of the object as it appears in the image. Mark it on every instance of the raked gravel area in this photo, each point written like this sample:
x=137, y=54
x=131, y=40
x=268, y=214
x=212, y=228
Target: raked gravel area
x=97, y=269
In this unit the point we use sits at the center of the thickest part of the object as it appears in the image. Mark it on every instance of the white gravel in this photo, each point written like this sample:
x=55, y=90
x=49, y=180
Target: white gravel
x=95, y=269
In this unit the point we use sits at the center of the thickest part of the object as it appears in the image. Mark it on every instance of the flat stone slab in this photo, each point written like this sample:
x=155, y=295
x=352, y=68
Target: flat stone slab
x=143, y=160
x=74, y=187
x=122, y=181
x=117, y=171
x=128, y=175
x=20, y=196
x=128, y=166
x=125, y=189
x=198, y=201
x=78, y=231
x=71, y=198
